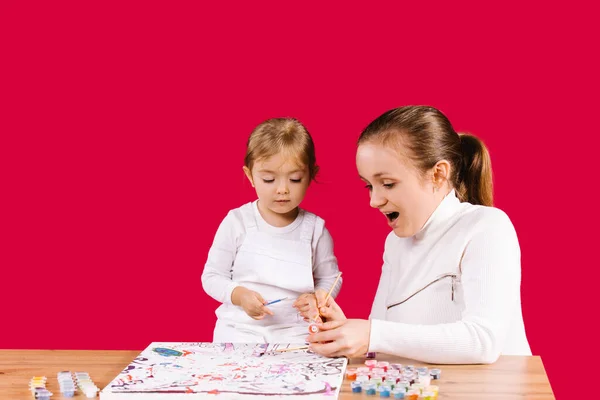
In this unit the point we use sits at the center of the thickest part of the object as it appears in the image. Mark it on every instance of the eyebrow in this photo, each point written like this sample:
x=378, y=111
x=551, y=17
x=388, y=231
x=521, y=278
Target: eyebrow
x=377, y=175
x=274, y=172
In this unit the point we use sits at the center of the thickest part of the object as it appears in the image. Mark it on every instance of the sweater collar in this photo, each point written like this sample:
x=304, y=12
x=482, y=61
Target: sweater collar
x=444, y=211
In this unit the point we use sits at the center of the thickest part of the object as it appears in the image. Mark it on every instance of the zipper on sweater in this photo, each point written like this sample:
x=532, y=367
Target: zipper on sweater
x=439, y=278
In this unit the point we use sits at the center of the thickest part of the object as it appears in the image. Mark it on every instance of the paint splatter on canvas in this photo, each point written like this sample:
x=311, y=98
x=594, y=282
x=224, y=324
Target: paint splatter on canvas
x=226, y=370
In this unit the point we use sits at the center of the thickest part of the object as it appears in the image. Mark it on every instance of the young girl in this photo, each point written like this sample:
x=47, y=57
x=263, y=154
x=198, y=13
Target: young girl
x=270, y=249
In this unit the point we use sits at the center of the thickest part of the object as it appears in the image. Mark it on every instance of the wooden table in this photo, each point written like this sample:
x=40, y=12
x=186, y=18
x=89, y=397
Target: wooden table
x=511, y=377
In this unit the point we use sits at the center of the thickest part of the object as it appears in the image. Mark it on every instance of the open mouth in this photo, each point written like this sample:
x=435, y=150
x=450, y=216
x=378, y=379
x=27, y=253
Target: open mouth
x=392, y=216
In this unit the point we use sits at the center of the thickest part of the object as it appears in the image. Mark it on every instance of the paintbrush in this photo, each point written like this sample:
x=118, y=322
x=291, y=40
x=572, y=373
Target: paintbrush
x=329, y=294
x=275, y=301
x=332, y=287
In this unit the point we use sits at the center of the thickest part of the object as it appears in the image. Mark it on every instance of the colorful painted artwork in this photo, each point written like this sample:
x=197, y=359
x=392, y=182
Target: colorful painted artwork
x=227, y=371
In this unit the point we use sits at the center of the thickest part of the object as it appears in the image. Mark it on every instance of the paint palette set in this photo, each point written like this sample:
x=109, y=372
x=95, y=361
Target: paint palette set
x=67, y=384
x=37, y=386
x=394, y=380
x=86, y=385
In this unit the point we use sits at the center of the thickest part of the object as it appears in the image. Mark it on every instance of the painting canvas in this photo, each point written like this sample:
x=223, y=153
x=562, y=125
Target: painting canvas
x=227, y=371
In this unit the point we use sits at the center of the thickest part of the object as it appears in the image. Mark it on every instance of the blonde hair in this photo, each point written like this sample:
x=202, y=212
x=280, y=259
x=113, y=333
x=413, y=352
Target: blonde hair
x=282, y=135
x=428, y=137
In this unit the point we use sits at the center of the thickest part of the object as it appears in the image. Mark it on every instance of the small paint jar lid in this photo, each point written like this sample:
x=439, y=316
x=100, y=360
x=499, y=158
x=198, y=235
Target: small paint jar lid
x=435, y=373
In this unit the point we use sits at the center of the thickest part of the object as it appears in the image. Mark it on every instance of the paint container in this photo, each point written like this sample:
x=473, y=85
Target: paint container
x=435, y=373
x=377, y=380
x=396, y=366
x=363, y=370
x=66, y=383
x=433, y=388
x=418, y=386
x=370, y=389
x=378, y=371
x=384, y=391
x=86, y=385
x=371, y=363
x=371, y=354
x=313, y=328
x=393, y=373
x=412, y=395
x=408, y=377
x=351, y=374
x=37, y=387
x=356, y=387
x=399, y=393
x=383, y=364
x=422, y=370
x=362, y=378
x=429, y=396
x=424, y=379
x=42, y=394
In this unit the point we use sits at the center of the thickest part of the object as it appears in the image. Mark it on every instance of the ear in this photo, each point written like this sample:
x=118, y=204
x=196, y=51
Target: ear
x=440, y=173
x=248, y=175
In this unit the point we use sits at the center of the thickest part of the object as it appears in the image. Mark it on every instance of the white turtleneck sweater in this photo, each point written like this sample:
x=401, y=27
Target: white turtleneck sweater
x=458, y=284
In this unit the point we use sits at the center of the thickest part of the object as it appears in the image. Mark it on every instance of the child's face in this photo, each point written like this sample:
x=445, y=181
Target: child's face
x=280, y=185
x=396, y=188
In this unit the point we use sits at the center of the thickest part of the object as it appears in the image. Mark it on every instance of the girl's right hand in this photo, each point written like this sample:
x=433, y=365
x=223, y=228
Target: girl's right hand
x=252, y=302
x=332, y=311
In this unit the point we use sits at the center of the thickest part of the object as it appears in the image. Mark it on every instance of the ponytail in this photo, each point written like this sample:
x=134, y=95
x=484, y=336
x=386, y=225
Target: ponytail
x=475, y=176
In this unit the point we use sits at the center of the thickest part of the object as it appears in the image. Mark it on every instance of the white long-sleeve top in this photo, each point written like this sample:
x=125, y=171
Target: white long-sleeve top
x=450, y=294
x=217, y=277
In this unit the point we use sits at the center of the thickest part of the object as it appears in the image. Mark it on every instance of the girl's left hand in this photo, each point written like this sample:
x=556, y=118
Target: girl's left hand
x=348, y=338
x=306, y=304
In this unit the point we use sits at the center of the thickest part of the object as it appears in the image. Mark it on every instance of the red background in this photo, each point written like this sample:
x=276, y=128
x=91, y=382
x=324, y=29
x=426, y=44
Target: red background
x=123, y=131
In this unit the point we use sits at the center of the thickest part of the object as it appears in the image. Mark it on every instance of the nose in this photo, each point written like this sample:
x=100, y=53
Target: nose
x=282, y=188
x=377, y=200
